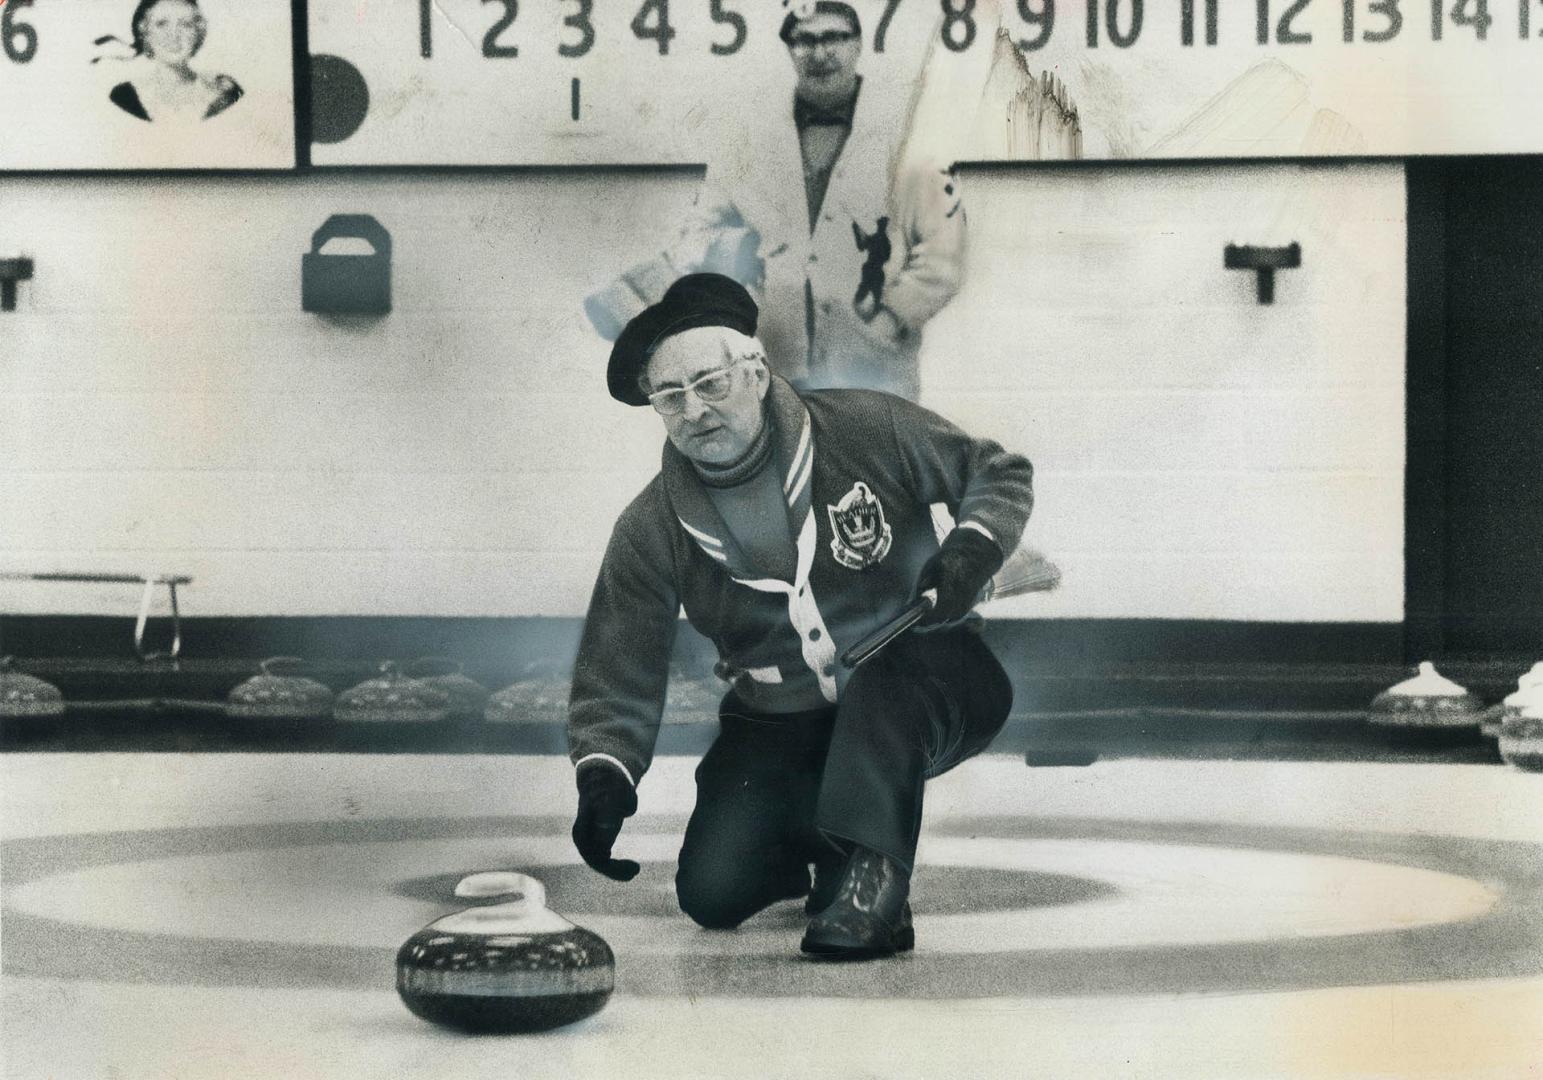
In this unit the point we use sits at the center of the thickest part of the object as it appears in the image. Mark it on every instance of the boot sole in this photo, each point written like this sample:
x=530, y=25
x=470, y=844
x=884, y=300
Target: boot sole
x=902, y=941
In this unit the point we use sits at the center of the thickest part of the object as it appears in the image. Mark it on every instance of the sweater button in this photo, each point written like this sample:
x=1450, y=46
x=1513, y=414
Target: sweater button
x=814, y=635
x=829, y=670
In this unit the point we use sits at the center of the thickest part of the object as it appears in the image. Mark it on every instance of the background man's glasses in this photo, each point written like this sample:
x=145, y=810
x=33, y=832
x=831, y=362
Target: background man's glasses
x=830, y=39
x=710, y=388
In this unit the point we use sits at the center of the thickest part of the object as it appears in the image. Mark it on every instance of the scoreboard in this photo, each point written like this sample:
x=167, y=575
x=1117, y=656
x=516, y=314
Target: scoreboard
x=603, y=81
x=578, y=81
x=607, y=82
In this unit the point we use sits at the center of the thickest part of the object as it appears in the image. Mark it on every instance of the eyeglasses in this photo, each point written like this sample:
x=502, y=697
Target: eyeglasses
x=711, y=388
x=830, y=39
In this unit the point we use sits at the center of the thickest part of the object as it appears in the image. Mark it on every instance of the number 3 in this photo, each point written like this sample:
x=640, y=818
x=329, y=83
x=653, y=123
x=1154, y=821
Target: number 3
x=490, y=46
x=579, y=20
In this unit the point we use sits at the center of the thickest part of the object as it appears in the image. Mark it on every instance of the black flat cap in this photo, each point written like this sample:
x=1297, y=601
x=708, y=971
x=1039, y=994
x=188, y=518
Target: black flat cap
x=695, y=300
x=822, y=7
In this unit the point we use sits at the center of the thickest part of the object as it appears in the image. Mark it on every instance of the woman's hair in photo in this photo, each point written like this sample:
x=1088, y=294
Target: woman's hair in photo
x=142, y=10
x=137, y=28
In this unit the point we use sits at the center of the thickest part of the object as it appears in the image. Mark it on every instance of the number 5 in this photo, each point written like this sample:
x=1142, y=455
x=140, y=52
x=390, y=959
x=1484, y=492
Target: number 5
x=721, y=15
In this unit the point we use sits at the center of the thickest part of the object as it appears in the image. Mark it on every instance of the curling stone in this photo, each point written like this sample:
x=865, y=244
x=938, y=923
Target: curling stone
x=272, y=695
x=26, y=697
x=1521, y=735
x=467, y=696
x=506, y=968
x=1495, y=716
x=536, y=696
x=392, y=699
x=1428, y=702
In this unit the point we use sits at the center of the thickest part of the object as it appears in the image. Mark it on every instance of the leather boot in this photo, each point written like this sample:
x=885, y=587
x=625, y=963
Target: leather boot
x=869, y=916
x=828, y=868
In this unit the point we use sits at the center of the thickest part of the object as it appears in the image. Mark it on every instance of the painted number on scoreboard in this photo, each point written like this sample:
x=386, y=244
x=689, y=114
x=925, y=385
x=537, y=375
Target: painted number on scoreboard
x=1107, y=22
x=18, y=37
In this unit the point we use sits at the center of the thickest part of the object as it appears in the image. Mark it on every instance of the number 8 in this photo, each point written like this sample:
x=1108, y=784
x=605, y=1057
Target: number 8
x=952, y=17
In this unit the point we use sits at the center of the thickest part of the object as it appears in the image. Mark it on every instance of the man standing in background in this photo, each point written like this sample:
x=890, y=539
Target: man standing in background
x=850, y=248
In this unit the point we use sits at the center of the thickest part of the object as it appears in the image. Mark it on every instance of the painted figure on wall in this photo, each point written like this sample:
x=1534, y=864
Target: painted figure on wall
x=849, y=249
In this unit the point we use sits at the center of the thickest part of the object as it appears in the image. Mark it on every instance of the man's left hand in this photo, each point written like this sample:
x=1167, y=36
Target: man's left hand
x=959, y=571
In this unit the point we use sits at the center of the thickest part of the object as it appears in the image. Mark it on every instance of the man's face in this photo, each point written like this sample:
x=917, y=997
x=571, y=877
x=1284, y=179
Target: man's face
x=825, y=52
x=710, y=432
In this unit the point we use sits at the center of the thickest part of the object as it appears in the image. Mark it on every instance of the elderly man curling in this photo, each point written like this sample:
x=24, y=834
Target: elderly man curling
x=789, y=526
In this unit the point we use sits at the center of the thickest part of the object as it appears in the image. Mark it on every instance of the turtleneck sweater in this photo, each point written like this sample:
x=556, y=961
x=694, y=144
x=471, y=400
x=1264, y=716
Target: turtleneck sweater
x=748, y=497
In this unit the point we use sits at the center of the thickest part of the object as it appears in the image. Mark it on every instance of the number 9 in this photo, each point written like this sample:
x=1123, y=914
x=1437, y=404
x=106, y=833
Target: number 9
x=1043, y=21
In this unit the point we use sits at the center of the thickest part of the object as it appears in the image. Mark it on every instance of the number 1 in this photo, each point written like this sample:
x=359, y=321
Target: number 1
x=425, y=29
x=1187, y=10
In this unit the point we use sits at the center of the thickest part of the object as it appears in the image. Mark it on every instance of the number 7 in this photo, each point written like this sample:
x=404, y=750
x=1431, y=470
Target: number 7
x=878, y=35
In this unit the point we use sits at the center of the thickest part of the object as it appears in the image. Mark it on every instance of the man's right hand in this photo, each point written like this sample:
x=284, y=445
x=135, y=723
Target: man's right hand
x=606, y=799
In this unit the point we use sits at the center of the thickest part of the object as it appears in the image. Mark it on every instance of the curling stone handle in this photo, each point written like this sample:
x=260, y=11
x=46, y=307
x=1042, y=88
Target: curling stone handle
x=530, y=892
x=274, y=664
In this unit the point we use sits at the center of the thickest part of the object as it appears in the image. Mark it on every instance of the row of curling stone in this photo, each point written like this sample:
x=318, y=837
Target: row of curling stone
x=432, y=690
x=1431, y=702
x=507, y=967
x=282, y=692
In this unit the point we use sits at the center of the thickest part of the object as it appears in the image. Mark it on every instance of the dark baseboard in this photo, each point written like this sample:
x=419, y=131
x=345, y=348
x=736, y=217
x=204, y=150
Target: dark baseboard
x=507, y=645
x=1137, y=687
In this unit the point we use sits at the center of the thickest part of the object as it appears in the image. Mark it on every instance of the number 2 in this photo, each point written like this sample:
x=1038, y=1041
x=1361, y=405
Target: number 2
x=1283, y=32
x=1284, y=35
x=490, y=46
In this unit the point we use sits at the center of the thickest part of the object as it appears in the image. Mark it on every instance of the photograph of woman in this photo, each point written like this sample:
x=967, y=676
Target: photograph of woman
x=164, y=86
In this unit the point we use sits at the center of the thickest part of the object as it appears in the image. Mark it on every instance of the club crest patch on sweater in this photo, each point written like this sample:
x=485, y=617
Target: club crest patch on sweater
x=860, y=535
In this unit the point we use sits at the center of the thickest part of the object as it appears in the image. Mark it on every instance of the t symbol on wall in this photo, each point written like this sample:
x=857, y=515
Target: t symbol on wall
x=1265, y=260
x=12, y=271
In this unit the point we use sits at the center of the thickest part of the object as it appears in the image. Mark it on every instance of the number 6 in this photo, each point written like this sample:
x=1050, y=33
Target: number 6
x=10, y=30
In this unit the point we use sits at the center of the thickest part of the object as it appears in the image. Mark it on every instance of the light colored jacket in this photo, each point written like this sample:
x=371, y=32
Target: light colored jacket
x=758, y=183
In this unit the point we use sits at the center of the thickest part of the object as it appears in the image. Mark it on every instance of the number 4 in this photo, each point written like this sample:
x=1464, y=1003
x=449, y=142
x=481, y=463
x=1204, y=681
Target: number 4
x=661, y=31
x=1462, y=16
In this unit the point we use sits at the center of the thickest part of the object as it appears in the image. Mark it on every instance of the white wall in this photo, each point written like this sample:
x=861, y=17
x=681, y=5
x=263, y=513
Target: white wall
x=165, y=404
x=1199, y=455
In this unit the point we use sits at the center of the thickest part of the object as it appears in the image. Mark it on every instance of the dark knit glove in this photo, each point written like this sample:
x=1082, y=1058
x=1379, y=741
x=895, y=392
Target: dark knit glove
x=959, y=571
x=606, y=799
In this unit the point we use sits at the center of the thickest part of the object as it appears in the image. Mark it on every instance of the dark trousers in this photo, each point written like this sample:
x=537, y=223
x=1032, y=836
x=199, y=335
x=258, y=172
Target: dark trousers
x=778, y=791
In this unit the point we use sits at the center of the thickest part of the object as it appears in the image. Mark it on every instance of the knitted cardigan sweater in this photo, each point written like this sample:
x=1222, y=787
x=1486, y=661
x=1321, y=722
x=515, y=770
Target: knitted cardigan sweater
x=861, y=472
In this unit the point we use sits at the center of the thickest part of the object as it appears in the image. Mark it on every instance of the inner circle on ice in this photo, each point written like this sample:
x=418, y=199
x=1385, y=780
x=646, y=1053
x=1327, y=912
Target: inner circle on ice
x=1138, y=894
